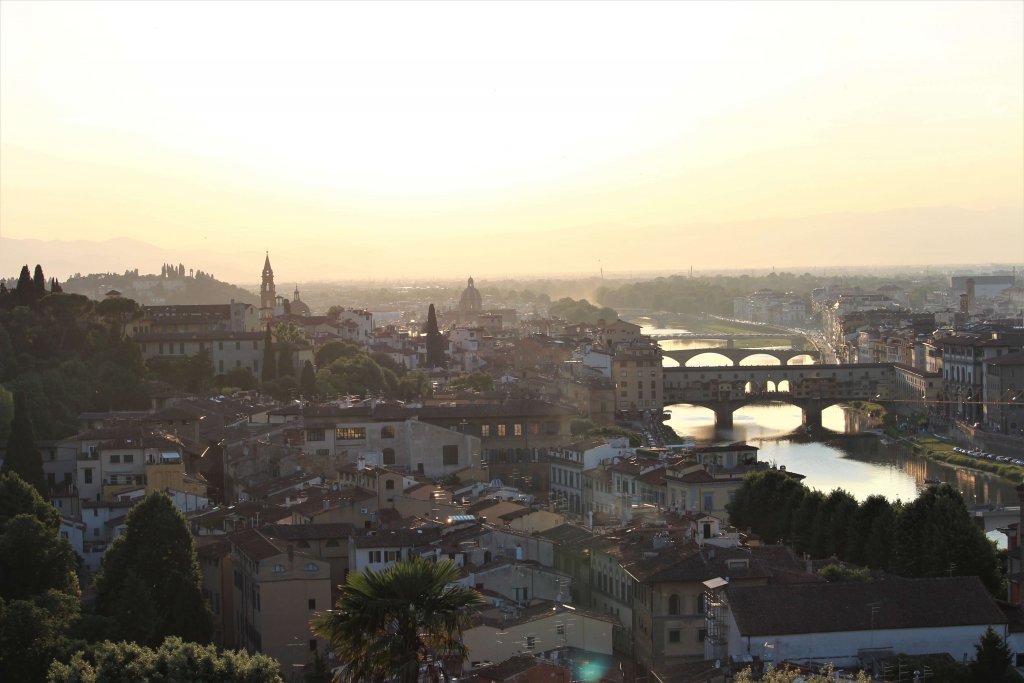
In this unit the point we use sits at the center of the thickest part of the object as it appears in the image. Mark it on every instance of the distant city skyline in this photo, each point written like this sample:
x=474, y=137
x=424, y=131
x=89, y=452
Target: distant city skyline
x=390, y=140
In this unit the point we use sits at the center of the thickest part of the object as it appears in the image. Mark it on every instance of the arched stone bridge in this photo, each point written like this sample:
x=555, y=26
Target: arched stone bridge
x=737, y=356
x=811, y=387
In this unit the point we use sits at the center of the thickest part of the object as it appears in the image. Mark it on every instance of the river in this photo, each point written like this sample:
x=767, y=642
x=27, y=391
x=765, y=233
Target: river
x=841, y=458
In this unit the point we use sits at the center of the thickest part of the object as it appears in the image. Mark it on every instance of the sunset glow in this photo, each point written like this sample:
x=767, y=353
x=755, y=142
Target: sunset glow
x=493, y=131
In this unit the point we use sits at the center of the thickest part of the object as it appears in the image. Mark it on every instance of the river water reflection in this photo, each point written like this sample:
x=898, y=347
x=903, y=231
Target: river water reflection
x=840, y=458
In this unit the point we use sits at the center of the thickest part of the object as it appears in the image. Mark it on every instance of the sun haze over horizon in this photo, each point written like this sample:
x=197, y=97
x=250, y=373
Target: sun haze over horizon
x=421, y=139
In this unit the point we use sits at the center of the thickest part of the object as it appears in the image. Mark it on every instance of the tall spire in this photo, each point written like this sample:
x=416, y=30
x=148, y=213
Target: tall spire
x=268, y=293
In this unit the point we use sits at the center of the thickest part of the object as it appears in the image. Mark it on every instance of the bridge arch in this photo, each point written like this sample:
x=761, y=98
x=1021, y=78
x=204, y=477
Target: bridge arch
x=702, y=360
x=762, y=358
x=801, y=359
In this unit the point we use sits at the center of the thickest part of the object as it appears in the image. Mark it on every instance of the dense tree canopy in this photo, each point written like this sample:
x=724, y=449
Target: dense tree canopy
x=149, y=582
x=39, y=598
x=932, y=536
x=67, y=354
x=173, y=660
x=581, y=311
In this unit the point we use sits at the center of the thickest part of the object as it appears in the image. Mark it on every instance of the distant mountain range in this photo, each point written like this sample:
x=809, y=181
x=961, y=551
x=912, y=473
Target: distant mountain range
x=911, y=236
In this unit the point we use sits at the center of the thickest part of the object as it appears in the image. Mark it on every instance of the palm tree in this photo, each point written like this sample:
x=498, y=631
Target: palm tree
x=387, y=625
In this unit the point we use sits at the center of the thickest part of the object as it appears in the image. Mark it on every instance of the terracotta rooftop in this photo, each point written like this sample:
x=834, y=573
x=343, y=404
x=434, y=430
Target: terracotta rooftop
x=829, y=607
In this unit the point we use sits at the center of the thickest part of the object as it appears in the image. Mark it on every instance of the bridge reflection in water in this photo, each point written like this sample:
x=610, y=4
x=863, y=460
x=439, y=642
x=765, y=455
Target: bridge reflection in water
x=838, y=457
x=811, y=387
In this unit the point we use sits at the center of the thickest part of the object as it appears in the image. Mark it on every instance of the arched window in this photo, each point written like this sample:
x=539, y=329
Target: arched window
x=673, y=604
x=389, y=456
x=311, y=567
x=387, y=432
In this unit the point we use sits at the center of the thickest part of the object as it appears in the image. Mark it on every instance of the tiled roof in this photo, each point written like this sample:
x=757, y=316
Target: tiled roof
x=253, y=544
x=306, y=532
x=394, y=538
x=782, y=609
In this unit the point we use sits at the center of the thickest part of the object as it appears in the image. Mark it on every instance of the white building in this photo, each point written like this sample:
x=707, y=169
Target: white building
x=833, y=622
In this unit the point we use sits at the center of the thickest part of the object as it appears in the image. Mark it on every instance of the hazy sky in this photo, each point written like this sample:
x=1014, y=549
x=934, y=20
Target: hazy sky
x=470, y=138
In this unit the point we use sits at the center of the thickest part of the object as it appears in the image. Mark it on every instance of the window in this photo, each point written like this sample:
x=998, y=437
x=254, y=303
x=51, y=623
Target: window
x=312, y=644
x=560, y=629
x=374, y=557
x=114, y=459
x=501, y=430
x=238, y=346
x=673, y=604
x=531, y=642
x=450, y=455
x=485, y=430
x=129, y=458
x=315, y=435
x=312, y=603
x=220, y=346
x=700, y=604
x=87, y=472
x=517, y=429
x=311, y=567
x=389, y=456
x=323, y=451
x=673, y=636
x=702, y=635
x=349, y=433
x=278, y=569
x=389, y=484
x=392, y=555
x=387, y=432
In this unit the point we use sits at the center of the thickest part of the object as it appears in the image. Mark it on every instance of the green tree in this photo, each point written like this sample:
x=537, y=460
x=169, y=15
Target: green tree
x=935, y=536
x=390, y=623
x=765, y=503
x=477, y=381
x=23, y=456
x=269, y=371
x=436, y=355
x=307, y=380
x=34, y=632
x=173, y=660
x=156, y=557
x=992, y=659
x=332, y=351
x=794, y=676
x=239, y=378
x=861, y=528
x=35, y=559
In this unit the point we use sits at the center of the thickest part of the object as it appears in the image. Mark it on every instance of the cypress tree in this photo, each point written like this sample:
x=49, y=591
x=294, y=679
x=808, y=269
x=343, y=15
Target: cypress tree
x=23, y=456
x=307, y=382
x=39, y=282
x=285, y=366
x=269, y=365
x=436, y=357
x=23, y=291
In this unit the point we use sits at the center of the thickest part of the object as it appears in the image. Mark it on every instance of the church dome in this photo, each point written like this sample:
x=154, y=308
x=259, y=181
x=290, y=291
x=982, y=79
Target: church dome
x=471, y=299
x=298, y=306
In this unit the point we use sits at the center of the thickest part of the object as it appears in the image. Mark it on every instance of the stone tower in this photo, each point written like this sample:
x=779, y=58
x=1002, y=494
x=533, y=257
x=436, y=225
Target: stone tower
x=268, y=294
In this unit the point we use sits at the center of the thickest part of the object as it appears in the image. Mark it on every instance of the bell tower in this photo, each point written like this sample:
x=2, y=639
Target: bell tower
x=268, y=294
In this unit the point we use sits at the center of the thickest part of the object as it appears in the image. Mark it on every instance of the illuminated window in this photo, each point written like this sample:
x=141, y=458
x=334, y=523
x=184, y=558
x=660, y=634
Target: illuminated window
x=485, y=430
x=349, y=433
x=501, y=430
x=517, y=429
